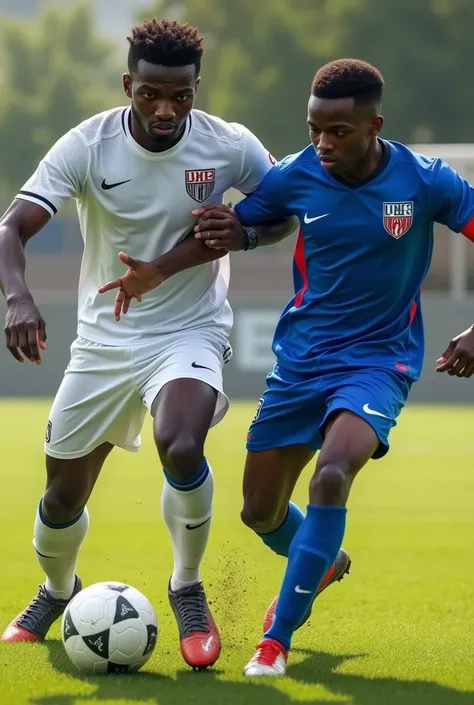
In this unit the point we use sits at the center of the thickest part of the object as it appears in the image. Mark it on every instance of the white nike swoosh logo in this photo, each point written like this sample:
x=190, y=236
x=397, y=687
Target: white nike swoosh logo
x=207, y=644
x=311, y=220
x=301, y=591
x=366, y=408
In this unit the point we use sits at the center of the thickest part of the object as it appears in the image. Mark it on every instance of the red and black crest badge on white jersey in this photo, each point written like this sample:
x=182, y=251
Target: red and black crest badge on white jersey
x=398, y=217
x=200, y=183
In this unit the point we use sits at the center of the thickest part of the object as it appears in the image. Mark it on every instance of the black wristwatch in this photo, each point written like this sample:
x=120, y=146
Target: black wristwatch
x=251, y=238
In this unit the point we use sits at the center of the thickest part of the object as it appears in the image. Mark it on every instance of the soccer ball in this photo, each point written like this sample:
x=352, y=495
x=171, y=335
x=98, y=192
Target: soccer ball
x=109, y=628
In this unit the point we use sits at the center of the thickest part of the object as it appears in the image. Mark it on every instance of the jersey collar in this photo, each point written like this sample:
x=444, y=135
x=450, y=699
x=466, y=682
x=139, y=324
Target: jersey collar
x=154, y=156
x=387, y=153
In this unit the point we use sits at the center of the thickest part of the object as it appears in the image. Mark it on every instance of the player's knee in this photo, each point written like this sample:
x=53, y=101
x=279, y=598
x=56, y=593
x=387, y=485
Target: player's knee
x=181, y=454
x=61, y=506
x=260, y=519
x=329, y=485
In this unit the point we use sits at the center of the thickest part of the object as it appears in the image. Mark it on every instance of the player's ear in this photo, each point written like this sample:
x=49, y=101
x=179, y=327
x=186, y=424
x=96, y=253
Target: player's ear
x=198, y=83
x=127, y=84
x=376, y=125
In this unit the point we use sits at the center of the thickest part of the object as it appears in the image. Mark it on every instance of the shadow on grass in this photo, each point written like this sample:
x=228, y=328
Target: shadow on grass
x=206, y=689
x=321, y=668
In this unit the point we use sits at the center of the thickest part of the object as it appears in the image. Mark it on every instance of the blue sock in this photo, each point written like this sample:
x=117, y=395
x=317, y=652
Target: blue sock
x=311, y=554
x=193, y=482
x=280, y=539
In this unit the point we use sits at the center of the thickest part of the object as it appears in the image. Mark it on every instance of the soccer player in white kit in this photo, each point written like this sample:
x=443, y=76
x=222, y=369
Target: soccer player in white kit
x=137, y=173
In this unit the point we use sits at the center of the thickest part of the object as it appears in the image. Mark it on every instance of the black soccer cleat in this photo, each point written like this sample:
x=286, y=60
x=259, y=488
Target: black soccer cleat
x=198, y=634
x=36, y=620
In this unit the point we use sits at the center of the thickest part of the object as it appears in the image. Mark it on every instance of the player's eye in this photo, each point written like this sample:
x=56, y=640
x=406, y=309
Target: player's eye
x=183, y=97
x=149, y=96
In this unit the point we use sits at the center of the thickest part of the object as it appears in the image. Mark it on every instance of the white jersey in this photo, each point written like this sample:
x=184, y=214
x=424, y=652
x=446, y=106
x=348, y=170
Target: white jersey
x=140, y=202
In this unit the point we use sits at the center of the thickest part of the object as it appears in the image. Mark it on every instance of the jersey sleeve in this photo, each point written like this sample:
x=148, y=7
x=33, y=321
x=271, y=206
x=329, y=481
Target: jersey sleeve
x=60, y=174
x=256, y=163
x=266, y=204
x=453, y=200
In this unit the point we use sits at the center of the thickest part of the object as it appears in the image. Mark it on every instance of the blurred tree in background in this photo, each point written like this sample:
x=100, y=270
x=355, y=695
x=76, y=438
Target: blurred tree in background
x=55, y=72
x=261, y=57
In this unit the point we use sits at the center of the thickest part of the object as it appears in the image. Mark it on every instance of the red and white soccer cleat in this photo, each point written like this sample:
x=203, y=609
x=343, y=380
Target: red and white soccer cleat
x=336, y=572
x=199, y=637
x=270, y=659
x=35, y=621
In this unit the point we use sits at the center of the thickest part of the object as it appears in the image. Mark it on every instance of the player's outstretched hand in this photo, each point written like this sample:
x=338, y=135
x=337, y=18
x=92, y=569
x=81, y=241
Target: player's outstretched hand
x=458, y=358
x=25, y=330
x=219, y=228
x=139, y=278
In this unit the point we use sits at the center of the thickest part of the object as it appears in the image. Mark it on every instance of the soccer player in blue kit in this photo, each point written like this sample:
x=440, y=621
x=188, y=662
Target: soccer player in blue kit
x=349, y=345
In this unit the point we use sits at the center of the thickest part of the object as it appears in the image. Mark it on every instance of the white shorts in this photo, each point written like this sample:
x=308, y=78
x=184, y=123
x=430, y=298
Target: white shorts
x=106, y=390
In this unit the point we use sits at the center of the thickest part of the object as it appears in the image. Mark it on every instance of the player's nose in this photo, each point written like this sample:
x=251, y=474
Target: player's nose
x=164, y=111
x=325, y=144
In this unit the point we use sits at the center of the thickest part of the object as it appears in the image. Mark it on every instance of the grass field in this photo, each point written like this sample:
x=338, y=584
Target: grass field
x=398, y=631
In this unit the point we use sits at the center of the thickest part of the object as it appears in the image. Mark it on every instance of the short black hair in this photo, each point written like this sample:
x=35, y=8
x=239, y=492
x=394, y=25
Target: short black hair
x=165, y=42
x=349, y=78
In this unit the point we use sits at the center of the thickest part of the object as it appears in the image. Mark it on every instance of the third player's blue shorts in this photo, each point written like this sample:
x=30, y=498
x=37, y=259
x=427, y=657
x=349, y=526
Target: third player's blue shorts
x=295, y=408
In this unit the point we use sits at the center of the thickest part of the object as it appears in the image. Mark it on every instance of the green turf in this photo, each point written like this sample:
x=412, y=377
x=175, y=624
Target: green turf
x=398, y=631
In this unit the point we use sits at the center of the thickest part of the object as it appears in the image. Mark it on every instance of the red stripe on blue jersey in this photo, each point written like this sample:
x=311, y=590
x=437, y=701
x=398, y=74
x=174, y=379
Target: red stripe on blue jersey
x=413, y=310
x=468, y=230
x=300, y=262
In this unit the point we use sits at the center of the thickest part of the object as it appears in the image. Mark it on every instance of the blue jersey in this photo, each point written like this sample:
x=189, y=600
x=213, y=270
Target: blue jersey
x=361, y=256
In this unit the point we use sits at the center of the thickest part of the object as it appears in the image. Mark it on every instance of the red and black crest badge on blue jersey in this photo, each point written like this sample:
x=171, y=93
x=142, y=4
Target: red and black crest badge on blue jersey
x=398, y=217
x=200, y=183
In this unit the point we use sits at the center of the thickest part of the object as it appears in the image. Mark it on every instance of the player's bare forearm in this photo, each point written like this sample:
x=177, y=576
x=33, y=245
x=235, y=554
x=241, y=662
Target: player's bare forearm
x=219, y=227
x=189, y=253
x=20, y=222
x=12, y=263
x=275, y=232
x=25, y=329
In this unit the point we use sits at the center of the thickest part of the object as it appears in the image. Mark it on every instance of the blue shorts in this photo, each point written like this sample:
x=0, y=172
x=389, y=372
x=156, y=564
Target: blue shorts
x=294, y=408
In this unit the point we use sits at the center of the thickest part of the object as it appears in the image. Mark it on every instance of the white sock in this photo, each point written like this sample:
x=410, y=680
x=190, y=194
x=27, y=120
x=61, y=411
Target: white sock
x=181, y=509
x=57, y=549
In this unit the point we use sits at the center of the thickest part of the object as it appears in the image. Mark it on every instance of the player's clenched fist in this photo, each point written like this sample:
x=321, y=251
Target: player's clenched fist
x=219, y=228
x=458, y=358
x=25, y=330
x=140, y=278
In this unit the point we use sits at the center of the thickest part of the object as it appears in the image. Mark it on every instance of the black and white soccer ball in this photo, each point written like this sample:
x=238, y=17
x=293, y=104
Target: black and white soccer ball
x=109, y=628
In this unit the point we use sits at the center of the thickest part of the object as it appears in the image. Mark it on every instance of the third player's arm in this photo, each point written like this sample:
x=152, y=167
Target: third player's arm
x=189, y=253
x=142, y=277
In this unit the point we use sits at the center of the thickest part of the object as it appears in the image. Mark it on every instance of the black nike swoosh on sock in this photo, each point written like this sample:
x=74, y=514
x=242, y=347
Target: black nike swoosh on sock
x=191, y=527
x=42, y=554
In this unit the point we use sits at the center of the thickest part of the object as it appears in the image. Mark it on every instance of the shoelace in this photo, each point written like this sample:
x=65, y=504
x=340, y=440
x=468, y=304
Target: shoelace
x=38, y=611
x=267, y=653
x=192, y=609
